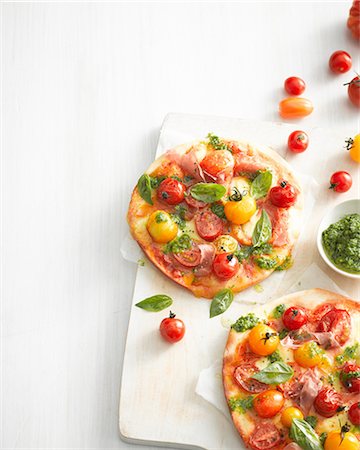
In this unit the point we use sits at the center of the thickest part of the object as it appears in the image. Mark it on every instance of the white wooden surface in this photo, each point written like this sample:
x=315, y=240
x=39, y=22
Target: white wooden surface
x=85, y=87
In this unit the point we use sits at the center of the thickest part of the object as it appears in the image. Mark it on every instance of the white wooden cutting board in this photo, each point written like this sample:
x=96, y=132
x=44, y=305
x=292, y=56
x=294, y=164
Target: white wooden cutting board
x=158, y=403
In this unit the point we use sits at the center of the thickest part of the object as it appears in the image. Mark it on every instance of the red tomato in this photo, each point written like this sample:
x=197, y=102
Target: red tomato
x=340, y=181
x=225, y=265
x=189, y=258
x=243, y=374
x=298, y=141
x=294, y=86
x=350, y=377
x=354, y=414
x=217, y=161
x=340, y=62
x=294, y=107
x=353, y=22
x=172, y=329
x=294, y=318
x=283, y=195
x=354, y=91
x=338, y=322
x=208, y=225
x=171, y=191
x=327, y=402
x=268, y=403
x=265, y=436
x=191, y=201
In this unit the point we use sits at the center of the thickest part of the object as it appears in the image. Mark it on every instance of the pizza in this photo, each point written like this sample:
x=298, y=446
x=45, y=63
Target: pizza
x=291, y=373
x=217, y=214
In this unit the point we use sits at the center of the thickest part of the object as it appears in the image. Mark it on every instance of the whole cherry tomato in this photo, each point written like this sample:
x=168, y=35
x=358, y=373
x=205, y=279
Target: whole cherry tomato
x=295, y=107
x=263, y=340
x=350, y=377
x=341, y=440
x=294, y=86
x=225, y=265
x=172, y=329
x=354, y=91
x=354, y=413
x=353, y=22
x=171, y=191
x=353, y=145
x=298, y=141
x=327, y=402
x=294, y=317
x=340, y=62
x=283, y=195
x=268, y=403
x=340, y=181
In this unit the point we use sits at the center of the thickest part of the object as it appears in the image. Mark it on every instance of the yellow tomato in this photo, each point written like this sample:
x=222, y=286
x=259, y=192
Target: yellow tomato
x=226, y=244
x=326, y=364
x=240, y=211
x=308, y=355
x=263, y=340
x=289, y=414
x=341, y=441
x=161, y=228
x=354, y=147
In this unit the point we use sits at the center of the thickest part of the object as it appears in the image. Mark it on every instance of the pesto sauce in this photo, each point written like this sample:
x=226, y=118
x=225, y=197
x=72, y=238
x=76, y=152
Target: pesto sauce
x=341, y=242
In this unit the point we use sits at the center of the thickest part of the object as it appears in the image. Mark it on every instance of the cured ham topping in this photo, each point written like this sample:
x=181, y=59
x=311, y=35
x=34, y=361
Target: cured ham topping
x=265, y=436
x=189, y=162
x=305, y=390
x=280, y=224
x=296, y=339
x=207, y=258
x=246, y=164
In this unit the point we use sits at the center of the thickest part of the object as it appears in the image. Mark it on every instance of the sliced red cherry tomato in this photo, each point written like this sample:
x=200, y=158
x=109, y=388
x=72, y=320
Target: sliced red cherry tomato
x=354, y=413
x=337, y=321
x=319, y=312
x=191, y=257
x=327, y=402
x=265, y=436
x=268, y=403
x=294, y=86
x=294, y=317
x=298, y=141
x=217, y=161
x=208, y=225
x=283, y=195
x=171, y=191
x=340, y=181
x=243, y=374
x=193, y=203
x=295, y=107
x=225, y=265
x=172, y=329
x=350, y=377
x=354, y=91
x=340, y=62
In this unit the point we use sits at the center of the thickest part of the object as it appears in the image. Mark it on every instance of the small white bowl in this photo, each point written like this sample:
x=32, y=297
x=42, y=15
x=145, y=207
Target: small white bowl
x=332, y=216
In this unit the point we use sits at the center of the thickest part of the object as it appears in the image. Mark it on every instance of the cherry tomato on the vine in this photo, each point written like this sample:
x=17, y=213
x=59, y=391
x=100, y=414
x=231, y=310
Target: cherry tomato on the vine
x=340, y=62
x=171, y=191
x=283, y=195
x=294, y=85
x=340, y=181
x=172, y=329
x=294, y=317
x=354, y=413
x=295, y=107
x=298, y=141
x=354, y=91
x=225, y=265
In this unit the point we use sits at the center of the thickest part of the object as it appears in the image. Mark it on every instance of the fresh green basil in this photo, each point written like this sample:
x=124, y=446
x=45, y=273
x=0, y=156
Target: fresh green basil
x=275, y=373
x=155, y=181
x=207, y=192
x=221, y=302
x=155, y=303
x=261, y=184
x=278, y=311
x=144, y=188
x=274, y=357
x=304, y=435
x=263, y=230
x=218, y=209
x=312, y=421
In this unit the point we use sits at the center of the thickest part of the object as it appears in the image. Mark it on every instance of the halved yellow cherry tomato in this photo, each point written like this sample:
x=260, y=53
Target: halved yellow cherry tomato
x=240, y=211
x=226, y=244
x=354, y=146
x=336, y=440
x=289, y=414
x=308, y=355
x=161, y=227
x=263, y=340
x=293, y=107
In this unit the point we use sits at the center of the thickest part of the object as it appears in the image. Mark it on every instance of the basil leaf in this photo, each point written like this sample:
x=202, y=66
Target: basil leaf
x=221, y=302
x=275, y=373
x=261, y=184
x=155, y=303
x=304, y=435
x=144, y=187
x=278, y=311
x=263, y=230
x=207, y=192
x=218, y=209
x=312, y=421
x=274, y=357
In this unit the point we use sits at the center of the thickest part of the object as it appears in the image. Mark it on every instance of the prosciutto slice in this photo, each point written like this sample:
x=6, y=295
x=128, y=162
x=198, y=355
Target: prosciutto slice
x=305, y=390
x=207, y=258
x=296, y=339
x=189, y=162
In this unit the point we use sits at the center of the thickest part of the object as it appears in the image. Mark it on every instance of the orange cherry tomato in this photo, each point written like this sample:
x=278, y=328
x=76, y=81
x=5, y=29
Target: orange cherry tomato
x=268, y=403
x=294, y=107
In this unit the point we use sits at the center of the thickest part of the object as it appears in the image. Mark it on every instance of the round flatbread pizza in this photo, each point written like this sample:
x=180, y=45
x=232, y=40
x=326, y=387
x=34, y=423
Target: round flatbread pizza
x=291, y=373
x=217, y=214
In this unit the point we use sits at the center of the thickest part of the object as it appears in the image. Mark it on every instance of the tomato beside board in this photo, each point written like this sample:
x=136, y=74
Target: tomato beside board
x=295, y=107
x=340, y=181
x=294, y=85
x=340, y=62
x=298, y=141
x=354, y=91
x=172, y=329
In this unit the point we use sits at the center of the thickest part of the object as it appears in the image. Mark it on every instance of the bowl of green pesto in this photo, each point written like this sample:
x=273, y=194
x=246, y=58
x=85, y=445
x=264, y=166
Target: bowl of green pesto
x=338, y=238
